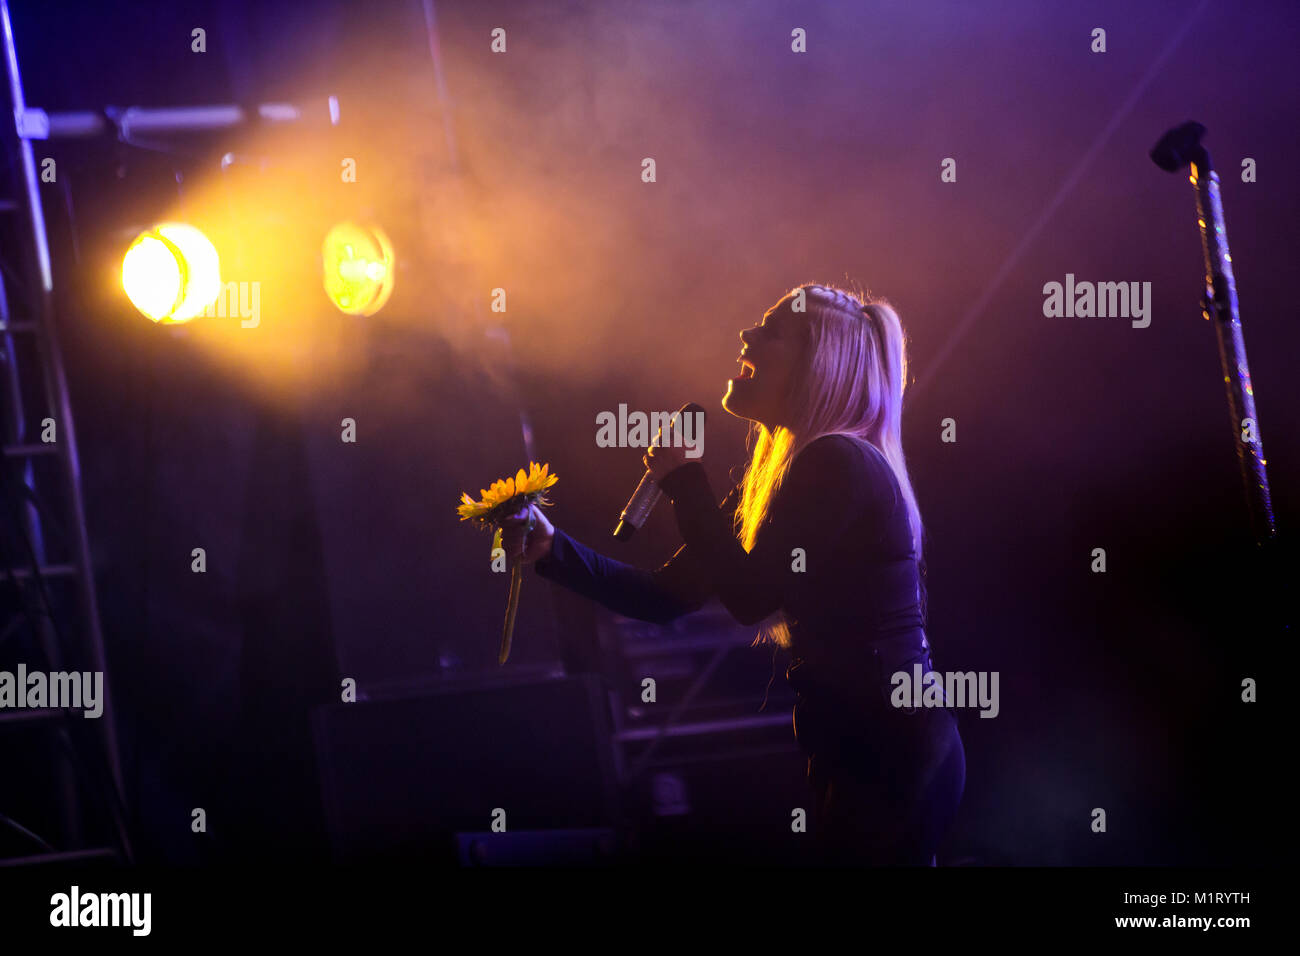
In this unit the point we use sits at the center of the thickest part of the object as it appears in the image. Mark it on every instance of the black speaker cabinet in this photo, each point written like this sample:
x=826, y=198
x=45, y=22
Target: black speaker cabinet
x=402, y=776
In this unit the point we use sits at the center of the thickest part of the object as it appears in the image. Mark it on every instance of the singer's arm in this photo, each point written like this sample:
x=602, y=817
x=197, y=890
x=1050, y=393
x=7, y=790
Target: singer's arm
x=679, y=587
x=829, y=484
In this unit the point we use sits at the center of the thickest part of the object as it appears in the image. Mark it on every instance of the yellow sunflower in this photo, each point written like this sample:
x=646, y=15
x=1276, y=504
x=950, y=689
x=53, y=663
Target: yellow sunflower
x=507, y=496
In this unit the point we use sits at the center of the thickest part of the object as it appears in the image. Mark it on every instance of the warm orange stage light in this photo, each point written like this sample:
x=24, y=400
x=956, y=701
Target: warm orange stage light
x=358, y=264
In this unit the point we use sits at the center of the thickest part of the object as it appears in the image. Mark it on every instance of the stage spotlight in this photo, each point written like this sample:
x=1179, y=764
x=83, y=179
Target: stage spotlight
x=358, y=264
x=171, y=273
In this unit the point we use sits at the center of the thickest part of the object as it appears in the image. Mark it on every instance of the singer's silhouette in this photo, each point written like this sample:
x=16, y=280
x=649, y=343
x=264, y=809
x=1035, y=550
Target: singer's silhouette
x=820, y=542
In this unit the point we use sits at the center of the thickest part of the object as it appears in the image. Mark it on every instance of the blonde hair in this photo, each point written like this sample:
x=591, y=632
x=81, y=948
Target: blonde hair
x=853, y=374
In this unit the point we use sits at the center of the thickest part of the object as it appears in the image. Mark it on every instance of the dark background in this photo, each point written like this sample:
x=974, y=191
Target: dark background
x=328, y=559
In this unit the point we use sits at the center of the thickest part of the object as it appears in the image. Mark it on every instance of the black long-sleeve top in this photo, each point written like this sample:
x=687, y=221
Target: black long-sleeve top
x=835, y=555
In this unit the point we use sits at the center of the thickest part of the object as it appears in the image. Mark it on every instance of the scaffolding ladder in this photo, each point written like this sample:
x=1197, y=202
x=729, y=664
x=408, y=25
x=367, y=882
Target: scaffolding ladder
x=47, y=590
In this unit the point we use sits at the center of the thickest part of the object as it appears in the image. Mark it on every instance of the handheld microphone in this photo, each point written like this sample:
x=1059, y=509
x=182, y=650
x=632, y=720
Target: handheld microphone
x=647, y=492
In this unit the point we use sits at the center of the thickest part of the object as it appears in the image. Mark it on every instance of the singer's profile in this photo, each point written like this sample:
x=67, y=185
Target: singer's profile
x=820, y=544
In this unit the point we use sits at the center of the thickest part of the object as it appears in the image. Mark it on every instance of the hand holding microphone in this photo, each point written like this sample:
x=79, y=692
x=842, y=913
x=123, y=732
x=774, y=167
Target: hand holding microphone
x=661, y=458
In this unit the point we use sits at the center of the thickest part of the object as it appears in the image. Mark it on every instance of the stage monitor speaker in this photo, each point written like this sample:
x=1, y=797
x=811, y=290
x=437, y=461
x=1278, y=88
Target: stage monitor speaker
x=401, y=777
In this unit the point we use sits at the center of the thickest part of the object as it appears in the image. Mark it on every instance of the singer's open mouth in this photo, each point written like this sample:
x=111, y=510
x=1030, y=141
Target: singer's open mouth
x=746, y=369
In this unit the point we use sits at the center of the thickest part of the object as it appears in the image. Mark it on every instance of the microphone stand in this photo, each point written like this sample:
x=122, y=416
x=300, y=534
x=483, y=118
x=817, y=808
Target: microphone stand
x=1178, y=148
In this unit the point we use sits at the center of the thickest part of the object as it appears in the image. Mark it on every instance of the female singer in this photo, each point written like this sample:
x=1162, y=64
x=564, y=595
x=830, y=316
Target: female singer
x=819, y=542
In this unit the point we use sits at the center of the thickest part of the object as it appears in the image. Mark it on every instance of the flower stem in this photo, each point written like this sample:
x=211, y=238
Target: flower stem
x=512, y=605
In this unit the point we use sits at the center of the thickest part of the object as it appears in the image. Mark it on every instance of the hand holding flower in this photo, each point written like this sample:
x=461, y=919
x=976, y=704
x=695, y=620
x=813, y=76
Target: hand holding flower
x=509, y=507
x=519, y=542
